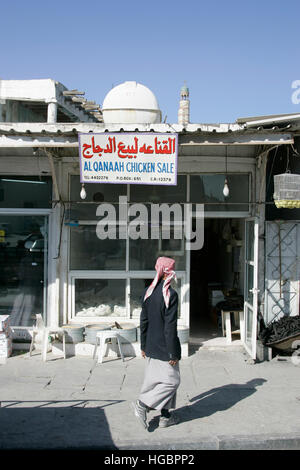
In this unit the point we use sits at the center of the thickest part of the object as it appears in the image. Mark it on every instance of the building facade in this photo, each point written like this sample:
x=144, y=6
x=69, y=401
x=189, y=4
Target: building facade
x=52, y=261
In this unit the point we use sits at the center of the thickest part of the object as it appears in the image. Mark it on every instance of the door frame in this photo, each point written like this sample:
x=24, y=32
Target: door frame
x=251, y=306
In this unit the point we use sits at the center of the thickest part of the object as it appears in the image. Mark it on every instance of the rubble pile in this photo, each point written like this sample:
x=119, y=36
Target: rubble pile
x=280, y=329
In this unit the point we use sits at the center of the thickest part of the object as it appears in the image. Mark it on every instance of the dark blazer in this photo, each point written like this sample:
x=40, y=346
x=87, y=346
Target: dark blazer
x=158, y=326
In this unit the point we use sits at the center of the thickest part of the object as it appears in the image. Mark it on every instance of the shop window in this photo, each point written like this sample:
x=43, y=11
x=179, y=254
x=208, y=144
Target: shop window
x=88, y=252
x=138, y=289
x=208, y=190
x=173, y=246
x=27, y=192
x=96, y=193
x=144, y=253
x=158, y=194
x=158, y=238
x=100, y=298
x=97, y=295
x=23, y=254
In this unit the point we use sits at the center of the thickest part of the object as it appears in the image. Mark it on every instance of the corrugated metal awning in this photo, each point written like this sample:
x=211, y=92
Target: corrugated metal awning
x=66, y=134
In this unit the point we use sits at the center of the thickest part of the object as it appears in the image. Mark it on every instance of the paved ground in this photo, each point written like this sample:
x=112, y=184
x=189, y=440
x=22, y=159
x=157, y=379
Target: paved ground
x=223, y=403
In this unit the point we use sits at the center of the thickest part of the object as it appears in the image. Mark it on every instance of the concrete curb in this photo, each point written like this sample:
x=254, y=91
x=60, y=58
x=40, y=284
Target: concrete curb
x=252, y=442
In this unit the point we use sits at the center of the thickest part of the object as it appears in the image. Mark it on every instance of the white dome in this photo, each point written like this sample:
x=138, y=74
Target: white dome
x=131, y=102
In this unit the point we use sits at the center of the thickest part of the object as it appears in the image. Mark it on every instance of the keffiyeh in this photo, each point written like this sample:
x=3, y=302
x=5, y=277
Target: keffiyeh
x=163, y=266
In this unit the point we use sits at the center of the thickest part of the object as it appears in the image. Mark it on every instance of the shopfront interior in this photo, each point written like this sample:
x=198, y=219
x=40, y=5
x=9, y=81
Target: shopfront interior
x=216, y=276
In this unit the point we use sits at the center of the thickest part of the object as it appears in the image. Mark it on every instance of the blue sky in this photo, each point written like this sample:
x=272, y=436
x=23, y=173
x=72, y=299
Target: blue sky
x=238, y=58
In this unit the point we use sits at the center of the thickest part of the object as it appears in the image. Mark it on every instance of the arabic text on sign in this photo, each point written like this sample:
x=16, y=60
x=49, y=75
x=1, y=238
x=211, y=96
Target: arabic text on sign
x=161, y=147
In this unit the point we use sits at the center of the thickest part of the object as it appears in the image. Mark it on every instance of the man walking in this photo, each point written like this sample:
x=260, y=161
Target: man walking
x=160, y=346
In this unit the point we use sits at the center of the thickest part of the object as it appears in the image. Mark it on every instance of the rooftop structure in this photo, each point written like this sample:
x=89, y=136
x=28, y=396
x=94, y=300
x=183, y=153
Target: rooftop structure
x=184, y=106
x=131, y=102
x=44, y=100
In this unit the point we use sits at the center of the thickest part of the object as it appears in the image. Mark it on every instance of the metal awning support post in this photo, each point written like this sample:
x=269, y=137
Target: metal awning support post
x=54, y=178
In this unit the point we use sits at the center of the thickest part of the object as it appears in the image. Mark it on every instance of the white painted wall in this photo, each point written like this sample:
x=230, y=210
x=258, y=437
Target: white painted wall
x=31, y=90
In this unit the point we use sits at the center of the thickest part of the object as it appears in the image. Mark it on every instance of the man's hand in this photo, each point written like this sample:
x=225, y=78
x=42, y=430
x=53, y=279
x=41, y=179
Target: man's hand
x=173, y=363
x=143, y=353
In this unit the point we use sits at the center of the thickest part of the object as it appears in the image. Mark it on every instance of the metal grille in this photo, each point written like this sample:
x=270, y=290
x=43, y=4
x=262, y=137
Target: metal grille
x=282, y=269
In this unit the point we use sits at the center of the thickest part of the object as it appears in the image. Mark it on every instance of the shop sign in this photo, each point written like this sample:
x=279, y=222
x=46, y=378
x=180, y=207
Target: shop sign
x=130, y=158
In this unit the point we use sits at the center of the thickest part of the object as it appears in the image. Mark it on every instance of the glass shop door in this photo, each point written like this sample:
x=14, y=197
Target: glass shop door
x=23, y=267
x=249, y=328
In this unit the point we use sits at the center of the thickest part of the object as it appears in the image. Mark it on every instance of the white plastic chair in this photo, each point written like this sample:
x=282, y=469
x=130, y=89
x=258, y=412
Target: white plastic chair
x=101, y=338
x=44, y=332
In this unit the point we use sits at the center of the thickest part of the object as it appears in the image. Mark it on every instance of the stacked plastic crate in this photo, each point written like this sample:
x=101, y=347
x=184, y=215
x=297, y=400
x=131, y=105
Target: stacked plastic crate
x=5, y=337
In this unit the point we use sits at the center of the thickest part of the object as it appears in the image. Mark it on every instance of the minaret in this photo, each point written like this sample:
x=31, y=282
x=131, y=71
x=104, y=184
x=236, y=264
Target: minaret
x=184, y=106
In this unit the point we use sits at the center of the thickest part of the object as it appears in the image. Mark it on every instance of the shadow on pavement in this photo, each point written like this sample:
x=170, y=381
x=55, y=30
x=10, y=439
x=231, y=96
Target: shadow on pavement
x=212, y=401
x=55, y=425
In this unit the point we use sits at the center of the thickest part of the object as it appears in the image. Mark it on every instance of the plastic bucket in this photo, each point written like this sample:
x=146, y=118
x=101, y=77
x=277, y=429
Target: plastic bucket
x=128, y=332
x=74, y=333
x=183, y=333
x=138, y=334
x=91, y=331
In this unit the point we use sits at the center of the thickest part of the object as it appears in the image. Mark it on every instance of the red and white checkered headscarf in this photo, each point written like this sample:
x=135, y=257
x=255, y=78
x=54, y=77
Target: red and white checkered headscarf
x=163, y=266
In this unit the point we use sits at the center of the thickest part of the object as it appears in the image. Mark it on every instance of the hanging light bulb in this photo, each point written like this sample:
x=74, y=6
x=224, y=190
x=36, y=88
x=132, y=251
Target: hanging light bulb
x=226, y=188
x=83, y=192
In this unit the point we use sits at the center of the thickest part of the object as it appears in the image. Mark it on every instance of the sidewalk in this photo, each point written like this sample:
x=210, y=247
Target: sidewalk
x=223, y=403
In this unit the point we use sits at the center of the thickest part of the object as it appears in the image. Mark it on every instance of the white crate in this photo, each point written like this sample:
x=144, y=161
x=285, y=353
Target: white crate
x=6, y=353
x=4, y=322
x=5, y=334
x=5, y=342
x=4, y=346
